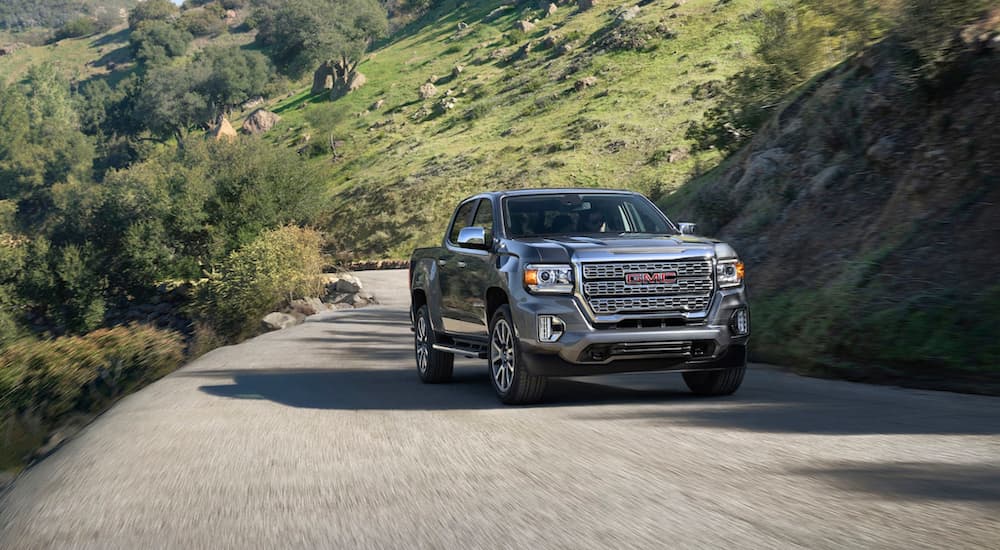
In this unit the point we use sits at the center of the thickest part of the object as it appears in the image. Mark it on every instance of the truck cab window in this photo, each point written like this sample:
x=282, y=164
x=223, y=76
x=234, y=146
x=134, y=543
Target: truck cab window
x=461, y=220
x=484, y=216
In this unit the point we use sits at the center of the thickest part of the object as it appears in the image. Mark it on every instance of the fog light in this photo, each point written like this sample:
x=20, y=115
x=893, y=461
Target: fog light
x=740, y=323
x=550, y=328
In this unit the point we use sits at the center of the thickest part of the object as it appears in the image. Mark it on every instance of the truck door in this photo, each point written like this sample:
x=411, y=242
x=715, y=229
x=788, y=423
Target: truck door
x=475, y=267
x=450, y=274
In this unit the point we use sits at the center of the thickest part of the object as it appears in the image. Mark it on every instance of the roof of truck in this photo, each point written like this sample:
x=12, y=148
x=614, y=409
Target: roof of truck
x=553, y=191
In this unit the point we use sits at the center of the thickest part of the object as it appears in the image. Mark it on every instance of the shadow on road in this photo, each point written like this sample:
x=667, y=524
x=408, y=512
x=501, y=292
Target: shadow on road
x=916, y=480
x=398, y=389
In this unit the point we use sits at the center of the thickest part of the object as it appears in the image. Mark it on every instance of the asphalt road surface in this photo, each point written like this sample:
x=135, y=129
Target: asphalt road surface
x=321, y=436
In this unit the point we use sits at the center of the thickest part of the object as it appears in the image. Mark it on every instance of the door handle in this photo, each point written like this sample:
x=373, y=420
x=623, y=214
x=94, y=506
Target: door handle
x=461, y=264
x=442, y=262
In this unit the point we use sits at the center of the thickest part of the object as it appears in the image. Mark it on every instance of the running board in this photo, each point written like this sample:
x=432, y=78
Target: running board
x=470, y=352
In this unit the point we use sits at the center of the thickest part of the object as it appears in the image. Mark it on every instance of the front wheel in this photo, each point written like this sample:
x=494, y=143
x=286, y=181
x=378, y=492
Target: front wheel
x=715, y=382
x=433, y=366
x=513, y=383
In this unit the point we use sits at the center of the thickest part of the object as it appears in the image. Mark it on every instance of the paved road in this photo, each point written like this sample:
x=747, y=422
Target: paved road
x=321, y=436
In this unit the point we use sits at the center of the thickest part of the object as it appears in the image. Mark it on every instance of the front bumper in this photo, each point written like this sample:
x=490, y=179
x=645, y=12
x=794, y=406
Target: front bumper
x=585, y=349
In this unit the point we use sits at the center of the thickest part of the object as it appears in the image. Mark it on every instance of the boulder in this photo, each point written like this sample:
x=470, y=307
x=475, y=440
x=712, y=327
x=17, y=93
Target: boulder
x=629, y=14
x=428, y=91
x=551, y=9
x=348, y=283
x=377, y=105
x=251, y=103
x=457, y=70
x=223, y=130
x=585, y=5
x=584, y=83
x=356, y=81
x=230, y=15
x=524, y=26
x=11, y=48
x=260, y=121
x=462, y=25
x=278, y=321
x=322, y=79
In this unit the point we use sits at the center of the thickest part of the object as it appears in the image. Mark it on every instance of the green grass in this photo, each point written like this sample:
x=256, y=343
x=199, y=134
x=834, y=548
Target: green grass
x=516, y=123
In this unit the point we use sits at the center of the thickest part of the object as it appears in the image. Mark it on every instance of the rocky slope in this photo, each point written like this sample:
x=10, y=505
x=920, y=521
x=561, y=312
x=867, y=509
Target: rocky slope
x=867, y=214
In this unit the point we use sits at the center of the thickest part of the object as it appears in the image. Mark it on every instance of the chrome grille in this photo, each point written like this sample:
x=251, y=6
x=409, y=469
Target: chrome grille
x=619, y=288
x=684, y=268
x=606, y=292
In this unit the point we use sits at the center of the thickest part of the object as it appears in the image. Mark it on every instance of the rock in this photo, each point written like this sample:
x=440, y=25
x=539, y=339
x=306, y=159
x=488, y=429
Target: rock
x=524, y=26
x=677, y=155
x=223, y=130
x=302, y=307
x=823, y=180
x=278, y=321
x=251, y=103
x=629, y=14
x=762, y=167
x=457, y=70
x=499, y=53
x=564, y=49
x=881, y=150
x=446, y=104
x=230, y=15
x=585, y=5
x=462, y=25
x=322, y=79
x=348, y=283
x=260, y=121
x=676, y=4
x=584, y=83
x=551, y=9
x=433, y=78
x=428, y=91
x=11, y=48
x=377, y=105
x=498, y=12
x=356, y=81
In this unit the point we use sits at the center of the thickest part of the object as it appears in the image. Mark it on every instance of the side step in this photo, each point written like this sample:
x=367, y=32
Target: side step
x=470, y=350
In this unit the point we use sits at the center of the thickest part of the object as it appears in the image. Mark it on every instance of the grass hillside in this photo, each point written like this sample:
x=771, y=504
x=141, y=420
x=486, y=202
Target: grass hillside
x=515, y=116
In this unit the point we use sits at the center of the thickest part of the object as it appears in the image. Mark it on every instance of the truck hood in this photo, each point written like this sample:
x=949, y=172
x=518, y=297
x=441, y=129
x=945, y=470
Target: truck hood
x=584, y=249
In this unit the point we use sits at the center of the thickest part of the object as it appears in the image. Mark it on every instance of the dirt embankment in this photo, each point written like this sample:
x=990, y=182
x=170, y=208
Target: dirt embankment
x=867, y=212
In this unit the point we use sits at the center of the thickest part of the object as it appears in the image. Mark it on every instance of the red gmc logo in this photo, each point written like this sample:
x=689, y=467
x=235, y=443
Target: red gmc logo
x=664, y=277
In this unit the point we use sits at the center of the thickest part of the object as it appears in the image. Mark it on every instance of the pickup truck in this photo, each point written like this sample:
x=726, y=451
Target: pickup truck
x=570, y=282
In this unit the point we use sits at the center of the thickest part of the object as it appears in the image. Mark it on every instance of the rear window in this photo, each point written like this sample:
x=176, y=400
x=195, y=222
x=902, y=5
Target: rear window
x=583, y=214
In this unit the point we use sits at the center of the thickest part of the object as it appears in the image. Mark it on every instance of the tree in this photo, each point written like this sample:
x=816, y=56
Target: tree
x=169, y=101
x=152, y=10
x=300, y=34
x=235, y=76
x=155, y=42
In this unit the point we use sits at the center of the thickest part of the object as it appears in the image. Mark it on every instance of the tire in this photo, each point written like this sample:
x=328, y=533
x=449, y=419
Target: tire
x=716, y=382
x=512, y=382
x=433, y=366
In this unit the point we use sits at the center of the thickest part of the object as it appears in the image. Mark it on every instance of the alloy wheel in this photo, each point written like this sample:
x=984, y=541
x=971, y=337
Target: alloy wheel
x=502, y=355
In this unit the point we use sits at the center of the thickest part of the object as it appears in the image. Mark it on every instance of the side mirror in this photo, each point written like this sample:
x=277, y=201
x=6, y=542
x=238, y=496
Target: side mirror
x=474, y=237
x=687, y=228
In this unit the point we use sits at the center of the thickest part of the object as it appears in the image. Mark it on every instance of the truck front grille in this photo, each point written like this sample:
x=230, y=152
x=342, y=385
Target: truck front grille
x=607, y=292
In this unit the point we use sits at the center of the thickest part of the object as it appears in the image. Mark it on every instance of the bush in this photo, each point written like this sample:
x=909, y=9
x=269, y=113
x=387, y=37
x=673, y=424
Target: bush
x=75, y=28
x=152, y=10
x=48, y=379
x=279, y=266
x=929, y=28
x=158, y=41
x=202, y=22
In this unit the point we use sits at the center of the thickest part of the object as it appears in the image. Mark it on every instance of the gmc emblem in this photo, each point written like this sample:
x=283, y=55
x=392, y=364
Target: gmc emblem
x=663, y=277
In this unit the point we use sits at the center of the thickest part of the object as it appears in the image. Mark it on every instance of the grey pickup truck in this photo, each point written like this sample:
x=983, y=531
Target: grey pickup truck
x=572, y=282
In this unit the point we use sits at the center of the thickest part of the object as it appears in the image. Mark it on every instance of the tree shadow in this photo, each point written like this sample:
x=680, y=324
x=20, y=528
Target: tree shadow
x=119, y=37
x=915, y=480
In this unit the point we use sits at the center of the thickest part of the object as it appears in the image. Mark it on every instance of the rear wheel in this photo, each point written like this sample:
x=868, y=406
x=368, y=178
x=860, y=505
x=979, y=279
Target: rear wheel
x=433, y=366
x=715, y=382
x=513, y=383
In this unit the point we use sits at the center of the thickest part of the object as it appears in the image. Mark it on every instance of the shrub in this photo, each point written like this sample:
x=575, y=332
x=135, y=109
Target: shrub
x=152, y=10
x=75, y=28
x=51, y=378
x=929, y=28
x=277, y=267
x=202, y=22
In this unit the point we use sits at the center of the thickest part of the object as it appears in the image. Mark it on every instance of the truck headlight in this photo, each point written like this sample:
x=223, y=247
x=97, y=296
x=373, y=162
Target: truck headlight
x=553, y=278
x=729, y=273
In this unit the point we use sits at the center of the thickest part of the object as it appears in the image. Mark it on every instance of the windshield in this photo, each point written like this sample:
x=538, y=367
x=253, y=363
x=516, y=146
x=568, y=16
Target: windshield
x=583, y=214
